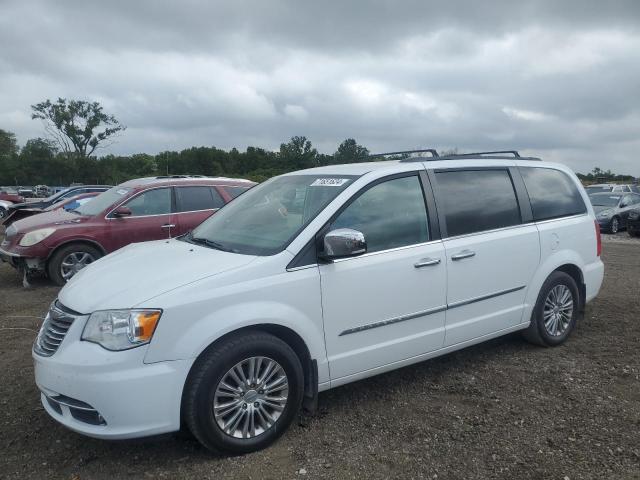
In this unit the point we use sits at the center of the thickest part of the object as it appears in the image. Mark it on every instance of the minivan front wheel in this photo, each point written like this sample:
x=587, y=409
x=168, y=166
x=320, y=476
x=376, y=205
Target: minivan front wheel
x=556, y=311
x=69, y=260
x=243, y=393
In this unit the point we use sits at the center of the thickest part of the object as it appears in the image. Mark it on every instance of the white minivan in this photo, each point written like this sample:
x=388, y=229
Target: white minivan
x=312, y=280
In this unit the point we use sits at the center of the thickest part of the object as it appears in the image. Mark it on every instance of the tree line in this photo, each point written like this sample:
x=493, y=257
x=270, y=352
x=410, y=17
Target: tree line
x=76, y=129
x=39, y=162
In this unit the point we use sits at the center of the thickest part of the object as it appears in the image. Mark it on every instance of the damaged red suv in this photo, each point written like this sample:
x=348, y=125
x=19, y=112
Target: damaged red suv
x=60, y=243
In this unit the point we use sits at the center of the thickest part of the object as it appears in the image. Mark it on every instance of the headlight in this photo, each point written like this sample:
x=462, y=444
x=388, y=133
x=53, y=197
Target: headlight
x=605, y=213
x=36, y=236
x=121, y=329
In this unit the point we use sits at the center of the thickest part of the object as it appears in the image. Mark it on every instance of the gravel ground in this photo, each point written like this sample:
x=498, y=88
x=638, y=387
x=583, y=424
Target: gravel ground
x=504, y=409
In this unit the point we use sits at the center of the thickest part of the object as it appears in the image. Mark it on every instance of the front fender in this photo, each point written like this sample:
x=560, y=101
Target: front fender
x=197, y=315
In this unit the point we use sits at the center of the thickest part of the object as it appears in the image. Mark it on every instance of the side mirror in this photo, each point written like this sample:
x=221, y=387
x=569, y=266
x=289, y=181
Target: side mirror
x=344, y=242
x=122, y=212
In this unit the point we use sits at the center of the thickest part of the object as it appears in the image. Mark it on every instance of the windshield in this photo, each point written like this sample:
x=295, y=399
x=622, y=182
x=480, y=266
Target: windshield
x=55, y=195
x=103, y=201
x=604, y=200
x=265, y=219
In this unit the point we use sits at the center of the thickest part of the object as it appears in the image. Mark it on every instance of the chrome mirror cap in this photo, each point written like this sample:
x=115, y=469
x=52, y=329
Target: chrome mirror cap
x=344, y=242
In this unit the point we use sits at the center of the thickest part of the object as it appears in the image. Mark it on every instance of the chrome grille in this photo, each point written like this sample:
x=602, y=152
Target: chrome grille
x=55, y=327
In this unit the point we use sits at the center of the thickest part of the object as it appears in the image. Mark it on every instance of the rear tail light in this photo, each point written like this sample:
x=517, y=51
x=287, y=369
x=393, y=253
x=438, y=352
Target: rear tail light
x=598, y=238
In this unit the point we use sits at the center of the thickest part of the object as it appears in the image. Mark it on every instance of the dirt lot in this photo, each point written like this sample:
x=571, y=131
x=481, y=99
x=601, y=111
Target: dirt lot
x=504, y=409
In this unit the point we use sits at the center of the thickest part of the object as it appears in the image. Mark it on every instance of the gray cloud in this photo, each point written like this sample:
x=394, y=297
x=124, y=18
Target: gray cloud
x=559, y=79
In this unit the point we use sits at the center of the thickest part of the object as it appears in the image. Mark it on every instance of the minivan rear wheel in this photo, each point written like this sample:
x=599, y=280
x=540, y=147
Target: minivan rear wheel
x=243, y=393
x=556, y=311
x=69, y=260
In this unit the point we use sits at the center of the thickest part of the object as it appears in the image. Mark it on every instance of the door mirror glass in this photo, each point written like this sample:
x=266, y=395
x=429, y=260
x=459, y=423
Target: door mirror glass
x=122, y=212
x=344, y=242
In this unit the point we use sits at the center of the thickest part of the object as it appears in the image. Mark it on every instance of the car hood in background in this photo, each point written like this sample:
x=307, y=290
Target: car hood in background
x=49, y=219
x=142, y=271
x=600, y=208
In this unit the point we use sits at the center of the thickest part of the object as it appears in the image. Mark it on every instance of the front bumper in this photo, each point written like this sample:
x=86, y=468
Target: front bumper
x=120, y=395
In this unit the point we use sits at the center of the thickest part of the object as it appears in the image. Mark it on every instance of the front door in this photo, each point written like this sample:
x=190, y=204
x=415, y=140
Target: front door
x=151, y=218
x=388, y=304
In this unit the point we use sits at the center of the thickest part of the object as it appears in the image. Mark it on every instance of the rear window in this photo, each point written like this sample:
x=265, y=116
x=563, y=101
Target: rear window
x=191, y=199
x=477, y=200
x=553, y=193
x=235, y=191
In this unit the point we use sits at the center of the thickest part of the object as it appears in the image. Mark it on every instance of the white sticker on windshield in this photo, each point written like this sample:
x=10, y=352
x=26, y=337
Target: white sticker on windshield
x=329, y=182
x=121, y=192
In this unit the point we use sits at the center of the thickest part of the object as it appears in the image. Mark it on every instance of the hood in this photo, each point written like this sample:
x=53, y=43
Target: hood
x=36, y=205
x=142, y=271
x=49, y=219
x=600, y=208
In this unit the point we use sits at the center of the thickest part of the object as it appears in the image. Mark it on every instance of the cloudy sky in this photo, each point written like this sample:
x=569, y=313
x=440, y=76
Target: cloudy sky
x=560, y=79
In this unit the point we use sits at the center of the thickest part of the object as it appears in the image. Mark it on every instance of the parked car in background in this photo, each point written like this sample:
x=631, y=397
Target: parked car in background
x=73, y=202
x=41, y=191
x=612, y=209
x=27, y=209
x=61, y=243
x=230, y=329
x=612, y=187
x=12, y=196
x=633, y=222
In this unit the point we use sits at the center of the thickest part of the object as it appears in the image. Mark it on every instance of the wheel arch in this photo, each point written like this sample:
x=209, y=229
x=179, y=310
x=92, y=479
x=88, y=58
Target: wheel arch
x=566, y=261
x=85, y=241
x=287, y=335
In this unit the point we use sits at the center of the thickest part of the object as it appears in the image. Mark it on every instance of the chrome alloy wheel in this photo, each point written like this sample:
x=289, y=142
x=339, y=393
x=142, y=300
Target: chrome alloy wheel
x=558, y=310
x=251, y=397
x=74, y=262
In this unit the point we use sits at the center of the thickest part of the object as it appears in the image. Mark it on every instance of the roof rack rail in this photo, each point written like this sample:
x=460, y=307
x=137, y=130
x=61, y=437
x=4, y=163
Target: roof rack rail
x=480, y=154
x=432, y=151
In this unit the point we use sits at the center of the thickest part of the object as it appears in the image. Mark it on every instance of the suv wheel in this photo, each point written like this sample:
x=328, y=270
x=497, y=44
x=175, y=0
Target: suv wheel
x=556, y=311
x=3, y=212
x=69, y=260
x=615, y=225
x=242, y=394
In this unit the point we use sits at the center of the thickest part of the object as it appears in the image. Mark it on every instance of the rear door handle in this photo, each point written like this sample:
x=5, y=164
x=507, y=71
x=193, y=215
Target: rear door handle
x=168, y=225
x=463, y=254
x=427, y=262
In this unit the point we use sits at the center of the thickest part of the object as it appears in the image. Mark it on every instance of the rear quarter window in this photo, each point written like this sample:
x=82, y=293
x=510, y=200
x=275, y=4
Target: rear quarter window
x=553, y=194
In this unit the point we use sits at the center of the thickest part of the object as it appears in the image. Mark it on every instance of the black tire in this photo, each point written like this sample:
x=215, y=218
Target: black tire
x=537, y=332
x=3, y=213
x=54, y=265
x=211, y=368
x=614, y=226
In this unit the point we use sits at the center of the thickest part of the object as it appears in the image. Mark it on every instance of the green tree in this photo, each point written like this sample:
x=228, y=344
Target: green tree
x=77, y=126
x=298, y=154
x=8, y=144
x=350, y=152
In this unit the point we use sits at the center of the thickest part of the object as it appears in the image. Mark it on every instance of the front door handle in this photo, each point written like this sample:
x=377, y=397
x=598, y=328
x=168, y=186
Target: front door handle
x=168, y=225
x=463, y=254
x=427, y=262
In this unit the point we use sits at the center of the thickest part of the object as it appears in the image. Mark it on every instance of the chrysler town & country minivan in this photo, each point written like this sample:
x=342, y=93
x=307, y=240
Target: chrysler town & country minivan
x=312, y=280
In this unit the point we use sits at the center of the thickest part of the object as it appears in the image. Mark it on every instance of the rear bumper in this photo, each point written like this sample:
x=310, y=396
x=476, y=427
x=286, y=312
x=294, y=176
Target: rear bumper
x=593, y=276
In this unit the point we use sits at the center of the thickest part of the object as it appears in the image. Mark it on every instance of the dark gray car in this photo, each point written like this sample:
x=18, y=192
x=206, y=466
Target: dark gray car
x=612, y=209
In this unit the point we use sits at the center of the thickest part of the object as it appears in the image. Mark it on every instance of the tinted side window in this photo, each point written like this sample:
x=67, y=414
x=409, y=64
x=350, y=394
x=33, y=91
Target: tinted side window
x=477, y=200
x=191, y=199
x=552, y=193
x=151, y=202
x=235, y=191
x=391, y=214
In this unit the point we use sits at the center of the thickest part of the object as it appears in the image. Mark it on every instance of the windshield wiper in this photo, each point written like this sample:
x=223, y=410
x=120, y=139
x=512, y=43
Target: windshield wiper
x=74, y=211
x=210, y=243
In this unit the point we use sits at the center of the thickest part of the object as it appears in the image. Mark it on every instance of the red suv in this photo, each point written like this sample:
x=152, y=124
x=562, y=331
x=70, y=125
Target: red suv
x=60, y=243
